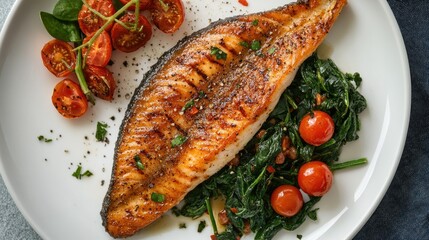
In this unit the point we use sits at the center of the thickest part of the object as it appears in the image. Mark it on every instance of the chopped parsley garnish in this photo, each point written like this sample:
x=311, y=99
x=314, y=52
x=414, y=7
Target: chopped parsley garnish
x=78, y=173
x=201, y=94
x=182, y=225
x=188, y=105
x=255, y=22
x=164, y=6
x=157, y=197
x=218, y=53
x=313, y=214
x=255, y=45
x=201, y=226
x=43, y=139
x=139, y=163
x=244, y=44
x=272, y=50
x=178, y=140
x=101, y=132
x=299, y=236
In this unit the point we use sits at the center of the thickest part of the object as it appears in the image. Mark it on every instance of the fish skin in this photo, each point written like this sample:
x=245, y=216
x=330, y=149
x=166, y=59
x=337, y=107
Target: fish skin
x=239, y=94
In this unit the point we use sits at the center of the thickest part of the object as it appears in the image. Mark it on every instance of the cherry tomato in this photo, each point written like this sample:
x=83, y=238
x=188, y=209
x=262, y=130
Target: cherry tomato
x=243, y=2
x=100, y=51
x=100, y=81
x=127, y=40
x=316, y=128
x=167, y=15
x=89, y=22
x=315, y=178
x=144, y=4
x=286, y=200
x=59, y=58
x=69, y=100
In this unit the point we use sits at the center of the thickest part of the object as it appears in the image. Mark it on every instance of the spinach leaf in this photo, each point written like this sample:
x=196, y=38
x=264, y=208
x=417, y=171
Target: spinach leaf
x=62, y=30
x=248, y=186
x=117, y=4
x=67, y=10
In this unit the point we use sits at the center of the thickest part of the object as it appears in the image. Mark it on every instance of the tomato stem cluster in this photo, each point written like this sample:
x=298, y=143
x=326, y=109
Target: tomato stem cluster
x=80, y=64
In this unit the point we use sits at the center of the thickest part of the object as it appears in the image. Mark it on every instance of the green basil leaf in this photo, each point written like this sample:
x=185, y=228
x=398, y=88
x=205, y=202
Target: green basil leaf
x=67, y=10
x=65, y=31
x=117, y=4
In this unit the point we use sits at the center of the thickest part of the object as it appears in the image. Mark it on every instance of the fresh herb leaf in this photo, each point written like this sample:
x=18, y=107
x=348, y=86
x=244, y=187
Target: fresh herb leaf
x=255, y=45
x=201, y=226
x=78, y=173
x=43, y=139
x=62, y=30
x=157, y=197
x=117, y=4
x=188, y=105
x=313, y=214
x=182, y=225
x=218, y=53
x=178, y=140
x=201, y=94
x=139, y=163
x=101, y=132
x=255, y=22
x=244, y=44
x=67, y=10
x=272, y=50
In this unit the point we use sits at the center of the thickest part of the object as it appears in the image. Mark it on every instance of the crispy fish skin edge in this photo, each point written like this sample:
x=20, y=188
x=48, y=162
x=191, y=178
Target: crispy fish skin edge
x=147, y=77
x=151, y=73
x=146, y=80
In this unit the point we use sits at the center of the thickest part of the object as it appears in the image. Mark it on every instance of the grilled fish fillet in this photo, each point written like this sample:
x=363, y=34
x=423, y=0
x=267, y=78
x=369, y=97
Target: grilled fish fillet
x=202, y=102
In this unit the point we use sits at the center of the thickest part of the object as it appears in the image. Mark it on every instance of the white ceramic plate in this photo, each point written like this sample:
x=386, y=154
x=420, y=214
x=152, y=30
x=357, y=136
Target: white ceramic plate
x=366, y=39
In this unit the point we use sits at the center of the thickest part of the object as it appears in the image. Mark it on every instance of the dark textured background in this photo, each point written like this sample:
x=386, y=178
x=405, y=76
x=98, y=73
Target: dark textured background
x=404, y=211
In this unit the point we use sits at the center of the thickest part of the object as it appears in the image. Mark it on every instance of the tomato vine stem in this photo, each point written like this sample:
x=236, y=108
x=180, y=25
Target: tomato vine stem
x=80, y=63
x=109, y=20
x=82, y=82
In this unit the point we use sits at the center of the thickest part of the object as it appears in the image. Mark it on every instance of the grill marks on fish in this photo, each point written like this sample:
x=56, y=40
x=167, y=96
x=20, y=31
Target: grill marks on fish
x=239, y=92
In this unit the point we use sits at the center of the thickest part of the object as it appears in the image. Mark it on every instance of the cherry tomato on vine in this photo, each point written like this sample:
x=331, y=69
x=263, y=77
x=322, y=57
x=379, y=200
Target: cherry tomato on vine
x=286, y=200
x=315, y=178
x=58, y=57
x=167, y=15
x=89, y=22
x=316, y=128
x=100, y=51
x=129, y=40
x=100, y=81
x=144, y=4
x=69, y=100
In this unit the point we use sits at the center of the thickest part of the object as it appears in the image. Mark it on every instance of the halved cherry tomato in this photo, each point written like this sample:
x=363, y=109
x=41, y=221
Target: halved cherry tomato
x=100, y=51
x=59, y=58
x=315, y=178
x=286, y=200
x=167, y=15
x=100, y=81
x=129, y=40
x=89, y=22
x=144, y=4
x=69, y=100
x=316, y=128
